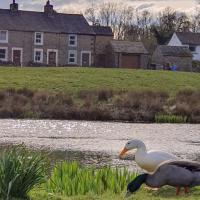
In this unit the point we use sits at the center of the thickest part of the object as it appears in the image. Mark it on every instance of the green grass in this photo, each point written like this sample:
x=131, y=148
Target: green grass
x=143, y=194
x=76, y=79
x=170, y=119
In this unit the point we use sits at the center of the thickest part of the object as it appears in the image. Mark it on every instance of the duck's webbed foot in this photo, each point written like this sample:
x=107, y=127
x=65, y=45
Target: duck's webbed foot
x=178, y=191
x=152, y=188
x=187, y=190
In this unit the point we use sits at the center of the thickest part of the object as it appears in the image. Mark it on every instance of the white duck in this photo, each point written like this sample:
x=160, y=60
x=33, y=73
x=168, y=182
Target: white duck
x=147, y=160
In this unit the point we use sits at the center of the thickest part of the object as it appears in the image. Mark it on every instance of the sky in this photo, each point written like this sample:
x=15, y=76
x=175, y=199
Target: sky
x=79, y=5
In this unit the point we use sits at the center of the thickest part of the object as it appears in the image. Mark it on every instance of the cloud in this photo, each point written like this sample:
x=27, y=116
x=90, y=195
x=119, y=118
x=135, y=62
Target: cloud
x=80, y=5
x=145, y=6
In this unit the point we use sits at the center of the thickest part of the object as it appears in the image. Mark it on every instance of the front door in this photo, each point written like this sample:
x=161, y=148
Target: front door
x=52, y=58
x=85, y=59
x=17, y=57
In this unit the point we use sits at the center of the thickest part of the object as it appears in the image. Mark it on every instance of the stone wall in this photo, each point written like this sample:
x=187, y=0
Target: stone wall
x=25, y=40
x=101, y=45
x=182, y=63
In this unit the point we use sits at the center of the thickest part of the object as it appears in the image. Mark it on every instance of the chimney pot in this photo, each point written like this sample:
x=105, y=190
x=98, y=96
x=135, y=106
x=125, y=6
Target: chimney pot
x=48, y=9
x=14, y=6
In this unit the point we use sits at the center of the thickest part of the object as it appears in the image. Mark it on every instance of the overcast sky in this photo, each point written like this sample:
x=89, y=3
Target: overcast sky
x=80, y=5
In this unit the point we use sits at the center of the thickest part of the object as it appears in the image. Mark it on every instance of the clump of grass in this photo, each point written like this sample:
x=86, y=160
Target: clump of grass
x=20, y=171
x=104, y=95
x=170, y=119
x=70, y=179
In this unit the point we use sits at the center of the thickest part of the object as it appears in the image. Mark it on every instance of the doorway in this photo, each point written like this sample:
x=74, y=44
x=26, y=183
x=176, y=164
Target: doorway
x=17, y=56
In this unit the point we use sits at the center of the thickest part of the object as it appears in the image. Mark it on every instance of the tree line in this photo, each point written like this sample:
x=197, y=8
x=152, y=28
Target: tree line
x=132, y=24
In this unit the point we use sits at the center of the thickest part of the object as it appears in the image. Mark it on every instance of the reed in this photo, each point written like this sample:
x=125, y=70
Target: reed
x=70, y=179
x=20, y=171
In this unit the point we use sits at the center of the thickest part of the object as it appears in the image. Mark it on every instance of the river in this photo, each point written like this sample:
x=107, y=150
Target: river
x=99, y=143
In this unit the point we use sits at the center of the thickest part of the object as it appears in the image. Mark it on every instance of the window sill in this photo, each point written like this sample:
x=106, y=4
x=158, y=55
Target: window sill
x=3, y=42
x=4, y=60
x=69, y=63
x=40, y=62
x=38, y=44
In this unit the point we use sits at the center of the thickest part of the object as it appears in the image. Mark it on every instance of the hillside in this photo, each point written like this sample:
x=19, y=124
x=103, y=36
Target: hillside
x=76, y=79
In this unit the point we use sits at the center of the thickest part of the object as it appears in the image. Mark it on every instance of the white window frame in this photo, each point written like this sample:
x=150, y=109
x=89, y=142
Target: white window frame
x=4, y=41
x=75, y=57
x=42, y=38
x=90, y=57
x=42, y=55
x=75, y=40
x=20, y=49
x=6, y=55
x=52, y=50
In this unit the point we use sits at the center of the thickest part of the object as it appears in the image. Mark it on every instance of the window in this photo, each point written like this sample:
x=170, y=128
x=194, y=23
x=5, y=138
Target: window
x=3, y=36
x=72, y=57
x=3, y=54
x=38, y=38
x=38, y=55
x=192, y=48
x=73, y=40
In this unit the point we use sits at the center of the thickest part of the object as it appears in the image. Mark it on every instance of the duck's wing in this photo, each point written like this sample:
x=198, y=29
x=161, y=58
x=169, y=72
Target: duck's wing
x=189, y=165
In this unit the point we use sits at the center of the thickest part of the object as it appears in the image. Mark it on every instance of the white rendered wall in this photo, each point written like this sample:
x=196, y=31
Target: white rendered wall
x=175, y=41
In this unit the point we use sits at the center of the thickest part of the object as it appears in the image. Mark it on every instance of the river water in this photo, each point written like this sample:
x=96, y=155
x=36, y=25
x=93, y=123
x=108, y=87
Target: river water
x=99, y=143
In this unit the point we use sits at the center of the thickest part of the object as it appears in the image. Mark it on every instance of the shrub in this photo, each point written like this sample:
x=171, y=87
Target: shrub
x=170, y=119
x=20, y=171
x=188, y=104
x=104, y=95
x=70, y=179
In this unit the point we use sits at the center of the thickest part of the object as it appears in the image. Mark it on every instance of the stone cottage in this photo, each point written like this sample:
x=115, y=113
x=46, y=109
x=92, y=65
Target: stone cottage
x=166, y=56
x=126, y=54
x=189, y=40
x=50, y=38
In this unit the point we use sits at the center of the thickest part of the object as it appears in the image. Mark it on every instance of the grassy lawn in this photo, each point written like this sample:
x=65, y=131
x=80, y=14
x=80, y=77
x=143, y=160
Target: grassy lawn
x=75, y=79
x=143, y=194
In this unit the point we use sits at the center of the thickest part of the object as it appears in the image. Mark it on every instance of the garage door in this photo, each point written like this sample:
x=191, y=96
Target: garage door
x=130, y=61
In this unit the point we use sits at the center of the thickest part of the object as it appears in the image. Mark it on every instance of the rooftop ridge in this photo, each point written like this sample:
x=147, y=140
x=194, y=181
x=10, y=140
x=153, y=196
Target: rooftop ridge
x=33, y=11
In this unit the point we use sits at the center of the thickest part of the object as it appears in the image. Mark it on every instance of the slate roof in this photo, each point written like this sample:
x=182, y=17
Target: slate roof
x=103, y=30
x=40, y=21
x=189, y=38
x=174, y=51
x=128, y=47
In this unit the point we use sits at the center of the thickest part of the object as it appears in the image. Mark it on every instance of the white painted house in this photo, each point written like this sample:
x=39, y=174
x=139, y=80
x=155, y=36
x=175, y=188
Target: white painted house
x=188, y=39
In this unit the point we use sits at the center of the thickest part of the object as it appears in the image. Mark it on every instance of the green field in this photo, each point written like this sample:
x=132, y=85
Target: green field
x=76, y=79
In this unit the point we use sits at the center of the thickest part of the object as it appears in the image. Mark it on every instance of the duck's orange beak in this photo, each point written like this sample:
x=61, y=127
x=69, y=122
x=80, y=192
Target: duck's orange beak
x=123, y=152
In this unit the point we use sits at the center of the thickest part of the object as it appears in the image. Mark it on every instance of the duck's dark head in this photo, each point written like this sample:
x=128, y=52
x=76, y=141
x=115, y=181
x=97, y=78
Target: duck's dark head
x=136, y=184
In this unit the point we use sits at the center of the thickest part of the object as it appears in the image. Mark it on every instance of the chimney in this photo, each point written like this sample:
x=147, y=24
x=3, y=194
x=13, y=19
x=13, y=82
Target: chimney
x=48, y=8
x=14, y=7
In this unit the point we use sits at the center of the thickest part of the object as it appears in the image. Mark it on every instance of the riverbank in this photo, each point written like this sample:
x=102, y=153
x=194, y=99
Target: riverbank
x=99, y=95
x=102, y=105
x=65, y=181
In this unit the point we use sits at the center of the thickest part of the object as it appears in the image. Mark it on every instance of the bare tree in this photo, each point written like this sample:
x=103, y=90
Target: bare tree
x=144, y=21
x=195, y=21
x=182, y=23
x=90, y=14
x=167, y=20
